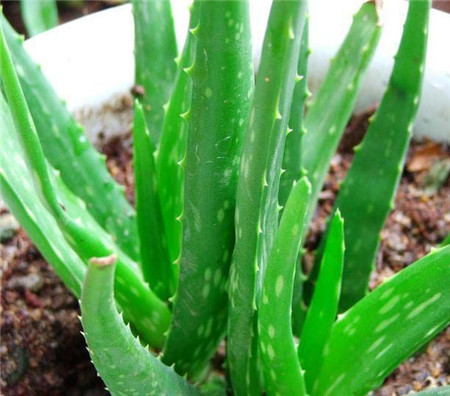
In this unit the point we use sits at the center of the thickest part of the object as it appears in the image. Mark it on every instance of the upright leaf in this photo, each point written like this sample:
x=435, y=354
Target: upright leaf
x=127, y=367
x=324, y=305
x=80, y=230
x=155, y=53
x=222, y=80
x=367, y=193
x=172, y=148
x=281, y=367
x=292, y=164
x=333, y=103
x=68, y=150
x=387, y=326
x=39, y=15
x=157, y=269
x=257, y=194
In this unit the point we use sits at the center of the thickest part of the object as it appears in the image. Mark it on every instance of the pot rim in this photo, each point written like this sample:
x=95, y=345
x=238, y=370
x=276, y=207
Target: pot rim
x=96, y=91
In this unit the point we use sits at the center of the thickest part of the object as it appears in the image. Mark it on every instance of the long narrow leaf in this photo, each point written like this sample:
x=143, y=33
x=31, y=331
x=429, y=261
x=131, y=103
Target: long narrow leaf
x=155, y=53
x=324, y=305
x=172, y=149
x=380, y=157
x=157, y=269
x=257, y=195
x=19, y=194
x=81, y=231
x=222, y=77
x=292, y=164
x=281, y=367
x=67, y=149
x=333, y=104
x=387, y=326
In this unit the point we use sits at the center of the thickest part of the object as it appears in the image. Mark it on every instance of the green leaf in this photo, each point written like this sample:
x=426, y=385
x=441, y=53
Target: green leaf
x=257, y=195
x=216, y=122
x=80, y=230
x=155, y=52
x=172, y=148
x=126, y=366
x=380, y=157
x=324, y=305
x=39, y=15
x=387, y=326
x=19, y=194
x=157, y=269
x=281, y=367
x=446, y=241
x=292, y=164
x=441, y=391
x=333, y=104
x=67, y=149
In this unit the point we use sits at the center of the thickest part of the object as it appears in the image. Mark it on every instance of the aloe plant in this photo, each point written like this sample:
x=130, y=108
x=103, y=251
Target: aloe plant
x=39, y=15
x=212, y=249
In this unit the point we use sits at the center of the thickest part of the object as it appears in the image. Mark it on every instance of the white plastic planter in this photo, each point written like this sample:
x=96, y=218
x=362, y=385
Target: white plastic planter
x=90, y=61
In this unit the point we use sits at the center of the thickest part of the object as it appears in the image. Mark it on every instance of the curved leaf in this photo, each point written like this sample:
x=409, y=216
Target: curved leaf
x=127, y=367
x=387, y=326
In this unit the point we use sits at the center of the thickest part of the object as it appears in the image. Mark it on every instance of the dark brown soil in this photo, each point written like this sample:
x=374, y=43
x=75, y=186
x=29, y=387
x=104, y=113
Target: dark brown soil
x=43, y=352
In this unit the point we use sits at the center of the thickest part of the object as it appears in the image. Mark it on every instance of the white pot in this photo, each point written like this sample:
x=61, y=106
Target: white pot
x=90, y=61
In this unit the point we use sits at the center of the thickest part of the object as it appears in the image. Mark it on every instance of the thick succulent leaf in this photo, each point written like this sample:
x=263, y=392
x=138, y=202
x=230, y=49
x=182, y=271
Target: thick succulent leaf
x=157, y=269
x=126, y=366
x=38, y=16
x=19, y=194
x=26, y=131
x=387, y=326
x=65, y=146
x=257, y=194
x=172, y=149
x=79, y=228
x=380, y=157
x=324, y=305
x=292, y=165
x=155, y=53
x=222, y=77
x=333, y=104
x=281, y=367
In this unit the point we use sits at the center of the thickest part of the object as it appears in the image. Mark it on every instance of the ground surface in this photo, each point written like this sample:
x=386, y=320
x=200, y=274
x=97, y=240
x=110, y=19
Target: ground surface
x=43, y=352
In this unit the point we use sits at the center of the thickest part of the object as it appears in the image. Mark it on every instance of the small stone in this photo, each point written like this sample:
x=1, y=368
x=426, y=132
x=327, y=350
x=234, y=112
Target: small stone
x=417, y=385
x=138, y=90
x=32, y=299
x=8, y=227
x=32, y=282
x=421, y=376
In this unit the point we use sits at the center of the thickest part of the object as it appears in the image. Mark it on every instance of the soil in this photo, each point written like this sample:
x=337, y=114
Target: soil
x=43, y=352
